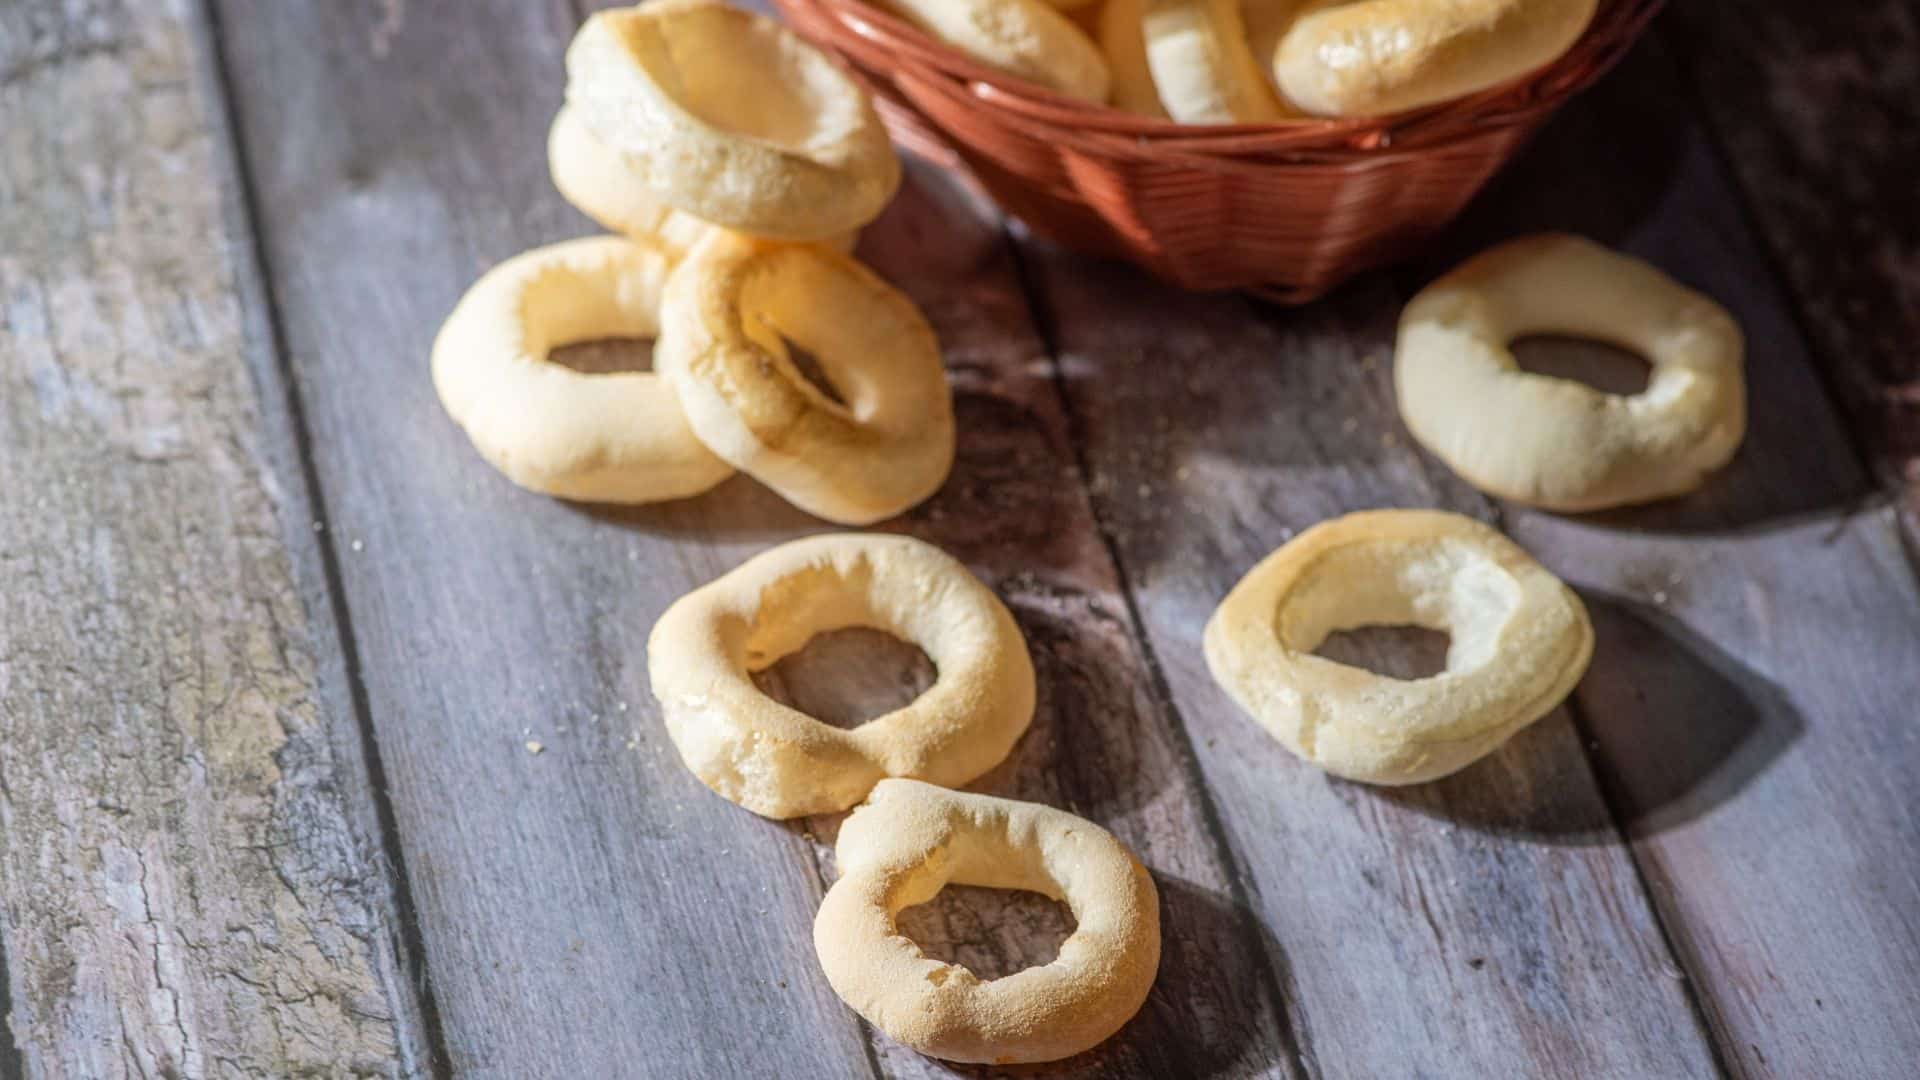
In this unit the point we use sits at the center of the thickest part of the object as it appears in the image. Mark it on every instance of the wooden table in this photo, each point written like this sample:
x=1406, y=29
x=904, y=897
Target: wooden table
x=275, y=642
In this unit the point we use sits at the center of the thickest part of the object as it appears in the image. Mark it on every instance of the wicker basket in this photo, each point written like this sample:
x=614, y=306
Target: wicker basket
x=1286, y=210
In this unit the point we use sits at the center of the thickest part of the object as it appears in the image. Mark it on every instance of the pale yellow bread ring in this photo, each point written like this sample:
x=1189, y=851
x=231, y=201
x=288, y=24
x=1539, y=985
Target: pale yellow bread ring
x=781, y=763
x=731, y=118
x=1123, y=42
x=1520, y=641
x=1029, y=39
x=617, y=437
x=730, y=309
x=1369, y=57
x=909, y=841
x=595, y=179
x=1558, y=443
x=1201, y=66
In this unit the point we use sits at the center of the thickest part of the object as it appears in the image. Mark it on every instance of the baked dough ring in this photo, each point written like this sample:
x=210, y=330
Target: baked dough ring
x=1123, y=42
x=730, y=117
x=1520, y=641
x=781, y=763
x=1029, y=39
x=1202, y=69
x=729, y=310
x=594, y=178
x=618, y=437
x=908, y=842
x=1554, y=442
x=1368, y=57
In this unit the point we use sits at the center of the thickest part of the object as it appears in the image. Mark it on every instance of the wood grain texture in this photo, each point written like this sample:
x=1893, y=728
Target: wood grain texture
x=591, y=905
x=1101, y=746
x=1758, y=642
x=1817, y=109
x=585, y=905
x=1215, y=430
x=185, y=885
x=1744, y=711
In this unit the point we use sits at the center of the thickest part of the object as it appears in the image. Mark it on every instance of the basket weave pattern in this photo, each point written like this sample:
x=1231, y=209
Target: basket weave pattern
x=1286, y=210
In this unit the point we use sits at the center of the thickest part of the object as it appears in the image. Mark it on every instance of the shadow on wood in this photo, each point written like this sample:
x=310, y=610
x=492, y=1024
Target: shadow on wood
x=1178, y=1032
x=1699, y=727
x=1573, y=180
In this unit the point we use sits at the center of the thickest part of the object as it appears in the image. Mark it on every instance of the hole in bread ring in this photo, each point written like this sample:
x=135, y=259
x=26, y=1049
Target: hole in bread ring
x=731, y=308
x=912, y=839
x=1519, y=641
x=730, y=117
x=617, y=437
x=595, y=179
x=1557, y=443
x=1372, y=57
x=781, y=763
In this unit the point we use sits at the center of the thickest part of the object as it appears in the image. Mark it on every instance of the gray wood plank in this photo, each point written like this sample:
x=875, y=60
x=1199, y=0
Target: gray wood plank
x=1755, y=723
x=586, y=909
x=593, y=906
x=1490, y=923
x=1817, y=109
x=1744, y=710
x=1102, y=745
x=190, y=883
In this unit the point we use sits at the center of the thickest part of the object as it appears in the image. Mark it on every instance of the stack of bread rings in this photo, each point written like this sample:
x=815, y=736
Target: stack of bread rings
x=1257, y=61
x=734, y=213
x=909, y=836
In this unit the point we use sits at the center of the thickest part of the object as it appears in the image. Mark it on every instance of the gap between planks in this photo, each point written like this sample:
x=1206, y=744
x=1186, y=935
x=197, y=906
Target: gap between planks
x=1279, y=979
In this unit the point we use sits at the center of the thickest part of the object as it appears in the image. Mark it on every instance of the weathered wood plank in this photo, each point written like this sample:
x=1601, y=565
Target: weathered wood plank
x=1759, y=646
x=1491, y=921
x=187, y=886
x=1101, y=746
x=1756, y=642
x=592, y=906
x=1817, y=108
x=586, y=909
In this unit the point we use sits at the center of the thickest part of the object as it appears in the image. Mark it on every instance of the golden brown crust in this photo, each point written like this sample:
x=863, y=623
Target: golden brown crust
x=1202, y=69
x=1520, y=641
x=912, y=839
x=781, y=763
x=730, y=310
x=1558, y=443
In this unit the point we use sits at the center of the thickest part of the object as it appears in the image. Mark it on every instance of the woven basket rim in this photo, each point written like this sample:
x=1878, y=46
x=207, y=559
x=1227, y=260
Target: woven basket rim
x=910, y=53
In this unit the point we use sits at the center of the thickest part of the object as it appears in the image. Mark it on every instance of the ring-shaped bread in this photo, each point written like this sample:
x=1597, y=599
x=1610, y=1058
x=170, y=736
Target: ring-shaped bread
x=595, y=179
x=779, y=762
x=1202, y=69
x=614, y=437
x=732, y=307
x=1558, y=443
x=1030, y=39
x=1520, y=640
x=908, y=842
x=1369, y=57
x=1123, y=42
x=730, y=117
